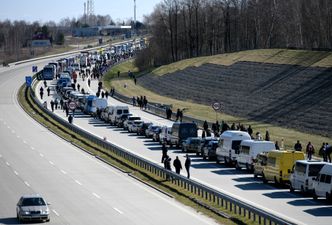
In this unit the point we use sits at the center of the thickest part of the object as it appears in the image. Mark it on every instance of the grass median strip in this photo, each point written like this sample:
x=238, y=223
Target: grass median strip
x=200, y=204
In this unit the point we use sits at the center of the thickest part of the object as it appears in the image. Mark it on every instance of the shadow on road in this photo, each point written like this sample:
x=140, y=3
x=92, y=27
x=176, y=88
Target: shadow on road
x=322, y=211
x=230, y=171
x=246, y=179
x=307, y=202
x=253, y=186
x=157, y=148
x=203, y=165
x=8, y=221
x=281, y=194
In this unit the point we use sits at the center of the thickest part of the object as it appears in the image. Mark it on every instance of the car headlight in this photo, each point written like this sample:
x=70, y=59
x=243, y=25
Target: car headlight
x=25, y=212
x=45, y=212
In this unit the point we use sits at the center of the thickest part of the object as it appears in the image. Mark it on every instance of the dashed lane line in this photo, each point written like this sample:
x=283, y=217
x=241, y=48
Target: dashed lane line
x=16, y=173
x=52, y=163
x=64, y=172
x=55, y=212
x=79, y=183
x=119, y=211
x=41, y=155
x=7, y=163
x=97, y=196
x=26, y=183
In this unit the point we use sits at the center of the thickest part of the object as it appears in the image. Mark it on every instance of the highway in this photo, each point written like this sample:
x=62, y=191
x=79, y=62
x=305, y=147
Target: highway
x=79, y=188
x=240, y=184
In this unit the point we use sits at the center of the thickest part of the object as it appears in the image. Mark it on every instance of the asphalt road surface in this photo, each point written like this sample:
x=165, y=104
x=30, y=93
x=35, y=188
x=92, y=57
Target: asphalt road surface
x=80, y=189
x=240, y=184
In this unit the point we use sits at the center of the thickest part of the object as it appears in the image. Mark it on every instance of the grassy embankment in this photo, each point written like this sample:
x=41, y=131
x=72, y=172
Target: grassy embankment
x=277, y=56
x=180, y=194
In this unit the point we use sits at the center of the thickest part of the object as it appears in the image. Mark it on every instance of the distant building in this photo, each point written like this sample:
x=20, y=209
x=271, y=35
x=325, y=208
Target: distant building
x=111, y=30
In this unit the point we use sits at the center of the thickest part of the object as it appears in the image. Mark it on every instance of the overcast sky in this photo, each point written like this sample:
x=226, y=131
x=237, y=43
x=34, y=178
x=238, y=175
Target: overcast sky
x=46, y=10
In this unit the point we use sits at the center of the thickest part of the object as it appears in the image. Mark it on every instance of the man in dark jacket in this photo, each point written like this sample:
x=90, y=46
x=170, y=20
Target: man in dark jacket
x=177, y=165
x=187, y=164
x=164, y=151
x=298, y=146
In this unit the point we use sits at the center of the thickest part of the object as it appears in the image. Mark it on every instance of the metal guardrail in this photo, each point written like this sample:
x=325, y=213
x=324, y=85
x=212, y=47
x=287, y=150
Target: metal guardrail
x=195, y=188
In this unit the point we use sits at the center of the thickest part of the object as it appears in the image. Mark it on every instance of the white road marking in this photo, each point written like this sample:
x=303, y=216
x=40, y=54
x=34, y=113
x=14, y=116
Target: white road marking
x=97, y=196
x=13, y=131
x=8, y=127
x=4, y=122
x=78, y=182
x=18, y=136
x=27, y=184
x=41, y=155
x=55, y=212
x=32, y=148
x=118, y=210
x=24, y=141
x=64, y=172
x=7, y=163
x=16, y=173
x=0, y=156
x=52, y=163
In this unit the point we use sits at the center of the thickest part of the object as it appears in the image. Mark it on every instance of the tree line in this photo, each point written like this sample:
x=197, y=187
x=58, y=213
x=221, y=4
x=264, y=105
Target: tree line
x=189, y=28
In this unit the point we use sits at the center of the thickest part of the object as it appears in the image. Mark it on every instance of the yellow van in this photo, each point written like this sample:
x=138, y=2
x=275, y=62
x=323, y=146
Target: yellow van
x=279, y=165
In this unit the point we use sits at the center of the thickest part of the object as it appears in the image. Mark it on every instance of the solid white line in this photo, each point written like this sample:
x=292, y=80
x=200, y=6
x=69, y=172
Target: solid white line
x=52, y=163
x=97, y=196
x=78, y=182
x=64, y=172
x=27, y=184
x=41, y=155
x=16, y=173
x=7, y=163
x=55, y=212
x=118, y=210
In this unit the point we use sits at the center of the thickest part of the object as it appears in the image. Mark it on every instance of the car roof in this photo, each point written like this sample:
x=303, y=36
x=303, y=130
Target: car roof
x=311, y=162
x=31, y=196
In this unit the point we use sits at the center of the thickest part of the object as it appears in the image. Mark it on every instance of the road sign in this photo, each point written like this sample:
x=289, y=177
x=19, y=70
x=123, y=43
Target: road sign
x=72, y=105
x=216, y=106
x=34, y=69
x=28, y=81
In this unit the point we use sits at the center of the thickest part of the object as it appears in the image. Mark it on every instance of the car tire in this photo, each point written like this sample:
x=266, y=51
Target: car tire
x=204, y=157
x=48, y=220
x=237, y=166
x=291, y=188
x=314, y=195
x=197, y=153
x=264, y=179
x=255, y=175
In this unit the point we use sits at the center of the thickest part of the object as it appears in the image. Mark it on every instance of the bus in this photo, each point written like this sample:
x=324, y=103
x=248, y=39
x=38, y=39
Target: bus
x=49, y=72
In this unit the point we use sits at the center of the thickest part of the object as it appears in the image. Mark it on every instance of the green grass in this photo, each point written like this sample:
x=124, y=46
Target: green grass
x=277, y=56
x=204, y=112
x=180, y=194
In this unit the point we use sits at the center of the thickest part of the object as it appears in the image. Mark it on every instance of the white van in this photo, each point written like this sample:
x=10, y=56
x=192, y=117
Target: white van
x=229, y=145
x=322, y=184
x=165, y=135
x=249, y=149
x=303, y=173
x=116, y=112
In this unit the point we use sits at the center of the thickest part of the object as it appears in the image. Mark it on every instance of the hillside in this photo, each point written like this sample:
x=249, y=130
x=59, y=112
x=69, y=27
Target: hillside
x=286, y=88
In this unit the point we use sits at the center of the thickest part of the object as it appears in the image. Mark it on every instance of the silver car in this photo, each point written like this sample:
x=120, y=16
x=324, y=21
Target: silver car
x=32, y=207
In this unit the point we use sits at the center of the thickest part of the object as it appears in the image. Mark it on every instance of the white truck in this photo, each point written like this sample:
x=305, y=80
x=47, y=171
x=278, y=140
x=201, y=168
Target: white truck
x=249, y=149
x=116, y=112
x=322, y=184
x=229, y=146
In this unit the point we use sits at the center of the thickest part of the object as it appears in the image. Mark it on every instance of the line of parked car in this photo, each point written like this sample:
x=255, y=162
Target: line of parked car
x=233, y=148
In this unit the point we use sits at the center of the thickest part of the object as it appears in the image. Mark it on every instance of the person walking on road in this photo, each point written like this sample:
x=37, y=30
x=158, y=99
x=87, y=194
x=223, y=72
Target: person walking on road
x=41, y=92
x=70, y=119
x=187, y=165
x=52, y=105
x=164, y=152
x=177, y=165
x=48, y=91
x=56, y=103
x=310, y=150
x=89, y=82
x=61, y=103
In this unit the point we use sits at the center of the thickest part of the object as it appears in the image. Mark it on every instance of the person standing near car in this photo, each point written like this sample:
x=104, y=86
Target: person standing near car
x=310, y=150
x=177, y=165
x=187, y=165
x=164, y=152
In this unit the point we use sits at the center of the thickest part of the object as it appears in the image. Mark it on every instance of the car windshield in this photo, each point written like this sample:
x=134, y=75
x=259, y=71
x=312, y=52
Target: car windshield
x=33, y=202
